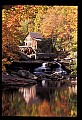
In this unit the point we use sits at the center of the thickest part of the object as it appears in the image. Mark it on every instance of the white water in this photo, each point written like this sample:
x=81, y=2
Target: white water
x=45, y=64
x=59, y=70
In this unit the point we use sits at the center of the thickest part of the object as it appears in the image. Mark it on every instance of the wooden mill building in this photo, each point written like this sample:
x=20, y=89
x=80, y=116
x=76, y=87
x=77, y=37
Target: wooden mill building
x=41, y=47
x=36, y=42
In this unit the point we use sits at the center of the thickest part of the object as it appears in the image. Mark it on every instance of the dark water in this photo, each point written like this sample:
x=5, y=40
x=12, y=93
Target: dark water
x=40, y=100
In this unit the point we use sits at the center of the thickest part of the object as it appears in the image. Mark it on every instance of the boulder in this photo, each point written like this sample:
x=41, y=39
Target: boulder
x=26, y=74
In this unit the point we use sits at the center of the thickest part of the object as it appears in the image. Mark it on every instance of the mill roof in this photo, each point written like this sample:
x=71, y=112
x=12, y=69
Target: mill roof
x=35, y=35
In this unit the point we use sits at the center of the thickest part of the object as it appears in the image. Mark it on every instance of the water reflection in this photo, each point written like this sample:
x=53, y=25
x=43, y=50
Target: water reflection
x=29, y=94
x=49, y=83
x=73, y=89
x=57, y=102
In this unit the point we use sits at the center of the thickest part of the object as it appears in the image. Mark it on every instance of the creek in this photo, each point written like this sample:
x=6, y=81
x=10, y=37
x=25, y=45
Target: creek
x=38, y=100
x=41, y=99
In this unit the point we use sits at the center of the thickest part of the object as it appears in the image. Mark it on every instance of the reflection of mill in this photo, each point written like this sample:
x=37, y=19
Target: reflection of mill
x=73, y=89
x=29, y=94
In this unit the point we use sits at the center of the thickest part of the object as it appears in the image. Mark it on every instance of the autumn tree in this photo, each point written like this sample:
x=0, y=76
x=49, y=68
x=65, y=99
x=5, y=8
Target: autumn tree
x=58, y=23
x=10, y=35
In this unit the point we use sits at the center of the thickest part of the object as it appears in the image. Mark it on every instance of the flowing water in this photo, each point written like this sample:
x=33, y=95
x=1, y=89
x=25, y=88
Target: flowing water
x=38, y=100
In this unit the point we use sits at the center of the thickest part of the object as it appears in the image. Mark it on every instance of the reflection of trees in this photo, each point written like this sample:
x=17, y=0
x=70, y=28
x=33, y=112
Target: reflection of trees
x=73, y=100
x=60, y=102
x=12, y=103
x=61, y=106
x=44, y=109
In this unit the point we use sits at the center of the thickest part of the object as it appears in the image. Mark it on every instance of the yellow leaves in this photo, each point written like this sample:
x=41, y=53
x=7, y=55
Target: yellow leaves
x=3, y=68
x=73, y=113
x=9, y=40
x=3, y=14
x=75, y=37
x=53, y=19
x=4, y=61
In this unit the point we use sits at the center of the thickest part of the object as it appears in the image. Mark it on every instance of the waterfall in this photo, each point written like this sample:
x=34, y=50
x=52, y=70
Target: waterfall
x=43, y=69
x=45, y=64
x=59, y=70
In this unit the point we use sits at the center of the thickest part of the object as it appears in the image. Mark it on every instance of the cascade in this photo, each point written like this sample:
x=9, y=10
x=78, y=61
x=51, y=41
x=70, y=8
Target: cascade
x=45, y=64
x=59, y=70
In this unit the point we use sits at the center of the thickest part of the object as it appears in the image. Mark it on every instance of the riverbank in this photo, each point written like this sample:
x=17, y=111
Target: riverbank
x=21, y=73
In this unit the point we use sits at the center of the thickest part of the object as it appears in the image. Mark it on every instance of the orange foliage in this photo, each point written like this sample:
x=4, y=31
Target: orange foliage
x=44, y=109
x=10, y=41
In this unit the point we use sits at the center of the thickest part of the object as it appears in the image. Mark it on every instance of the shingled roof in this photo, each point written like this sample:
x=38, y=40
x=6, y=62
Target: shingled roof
x=35, y=35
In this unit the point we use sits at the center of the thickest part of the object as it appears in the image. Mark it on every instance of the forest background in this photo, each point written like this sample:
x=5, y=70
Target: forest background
x=57, y=23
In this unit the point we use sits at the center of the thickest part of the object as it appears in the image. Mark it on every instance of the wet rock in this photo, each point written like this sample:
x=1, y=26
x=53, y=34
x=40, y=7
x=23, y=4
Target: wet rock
x=16, y=81
x=73, y=76
x=4, y=75
x=7, y=77
x=26, y=74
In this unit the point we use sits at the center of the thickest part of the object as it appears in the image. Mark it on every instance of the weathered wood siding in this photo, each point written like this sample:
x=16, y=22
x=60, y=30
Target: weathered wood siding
x=30, y=42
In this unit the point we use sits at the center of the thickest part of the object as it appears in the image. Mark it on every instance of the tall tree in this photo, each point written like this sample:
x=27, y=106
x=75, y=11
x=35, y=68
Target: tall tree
x=10, y=35
x=61, y=22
